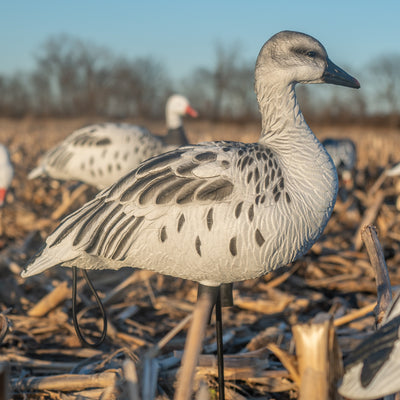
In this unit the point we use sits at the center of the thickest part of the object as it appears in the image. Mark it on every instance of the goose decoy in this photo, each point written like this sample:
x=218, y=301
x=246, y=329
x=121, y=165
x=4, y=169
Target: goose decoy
x=394, y=171
x=218, y=212
x=344, y=156
x=101, y=154
x=372, y=368
x=6, y=173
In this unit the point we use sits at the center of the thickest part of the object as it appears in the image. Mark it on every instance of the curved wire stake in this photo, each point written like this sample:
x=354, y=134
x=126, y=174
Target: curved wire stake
x=74, y=307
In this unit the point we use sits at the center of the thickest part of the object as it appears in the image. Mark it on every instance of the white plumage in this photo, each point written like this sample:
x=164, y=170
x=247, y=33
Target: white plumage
x=100, y=154
x=372, y=370
x=218, y=212
x=6, y=173
x=394, y=171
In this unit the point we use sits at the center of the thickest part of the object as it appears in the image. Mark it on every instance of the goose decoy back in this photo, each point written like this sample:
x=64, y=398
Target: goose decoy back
x=100, y=154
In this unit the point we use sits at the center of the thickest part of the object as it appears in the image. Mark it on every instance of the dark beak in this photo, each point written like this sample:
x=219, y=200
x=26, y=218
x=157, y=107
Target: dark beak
x=335, y=75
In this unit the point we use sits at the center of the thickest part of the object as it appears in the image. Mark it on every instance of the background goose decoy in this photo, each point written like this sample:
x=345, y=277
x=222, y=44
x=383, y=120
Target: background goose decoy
x=177, y=106
x=100, y=154
x=218, y=212
x=6, y=173
x=394, y=171
x=344, y=156
x=372, y=369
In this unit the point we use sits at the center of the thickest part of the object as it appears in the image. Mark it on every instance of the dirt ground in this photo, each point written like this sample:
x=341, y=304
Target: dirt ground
x=44, y=356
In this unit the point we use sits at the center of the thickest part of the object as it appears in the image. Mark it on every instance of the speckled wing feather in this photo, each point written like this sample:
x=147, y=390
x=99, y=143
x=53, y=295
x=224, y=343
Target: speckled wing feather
x=372, y=369
x=150, y=208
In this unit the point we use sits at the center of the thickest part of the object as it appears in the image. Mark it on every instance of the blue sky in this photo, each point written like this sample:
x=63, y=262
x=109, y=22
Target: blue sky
x=183, y=34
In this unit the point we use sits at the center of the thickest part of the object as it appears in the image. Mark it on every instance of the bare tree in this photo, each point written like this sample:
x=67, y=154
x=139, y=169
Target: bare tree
x=385, y=73
x=138, y=88
x=73, y=77
x=199, y=89
x=73, y=74
x=14, y=99
x=226, y=90
x=223, y=75
x=242, y=95
x=41, y=93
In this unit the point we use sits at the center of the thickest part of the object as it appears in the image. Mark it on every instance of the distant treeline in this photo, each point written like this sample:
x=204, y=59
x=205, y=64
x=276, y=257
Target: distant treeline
x=72, y=78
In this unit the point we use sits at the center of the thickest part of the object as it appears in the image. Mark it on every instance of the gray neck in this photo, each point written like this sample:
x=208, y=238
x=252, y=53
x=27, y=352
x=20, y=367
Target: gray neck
x=310, y=175
x=279, y=109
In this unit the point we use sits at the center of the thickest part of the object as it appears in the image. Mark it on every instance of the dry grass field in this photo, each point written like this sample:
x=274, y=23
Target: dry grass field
x=40, y=347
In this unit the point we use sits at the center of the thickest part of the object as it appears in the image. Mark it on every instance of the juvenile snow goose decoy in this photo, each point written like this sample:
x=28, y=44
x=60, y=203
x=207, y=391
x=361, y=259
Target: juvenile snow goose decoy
x=372, y=369
x=218, y=212
x=100, y=154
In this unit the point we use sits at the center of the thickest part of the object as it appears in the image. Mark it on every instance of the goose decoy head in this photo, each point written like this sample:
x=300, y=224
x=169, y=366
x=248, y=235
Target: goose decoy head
x=180, y=105
x=293, y=57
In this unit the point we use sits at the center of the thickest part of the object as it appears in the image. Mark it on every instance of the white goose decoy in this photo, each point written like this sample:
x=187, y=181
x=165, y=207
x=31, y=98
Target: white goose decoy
x=344, y=156
x=394, y=171
x=218, y=212
x=100, y=154
x=372, y=369
x=6, y=173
